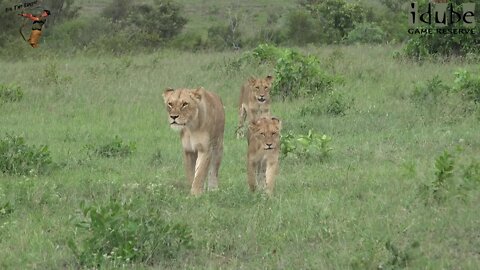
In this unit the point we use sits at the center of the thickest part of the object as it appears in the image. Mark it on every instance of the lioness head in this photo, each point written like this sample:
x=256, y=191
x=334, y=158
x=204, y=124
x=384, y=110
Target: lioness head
x=182, y=106
x=261, y=88
x=267, y=131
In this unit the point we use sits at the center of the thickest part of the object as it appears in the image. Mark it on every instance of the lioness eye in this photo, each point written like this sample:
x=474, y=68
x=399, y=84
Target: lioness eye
x=261, y=133
x=258, y=87
x=274, y=133
x=170, y=104
x=184, y=104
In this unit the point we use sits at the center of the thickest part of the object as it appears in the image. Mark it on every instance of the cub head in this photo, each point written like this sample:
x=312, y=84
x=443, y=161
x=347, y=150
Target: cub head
x=261, y=88
x=267, y=131
x=182, y=106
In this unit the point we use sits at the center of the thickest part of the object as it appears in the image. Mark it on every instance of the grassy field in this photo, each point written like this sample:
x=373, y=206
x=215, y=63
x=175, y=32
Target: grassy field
x=362, y=208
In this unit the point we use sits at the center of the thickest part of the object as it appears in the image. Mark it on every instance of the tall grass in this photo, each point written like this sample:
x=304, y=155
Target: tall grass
x=360, y=208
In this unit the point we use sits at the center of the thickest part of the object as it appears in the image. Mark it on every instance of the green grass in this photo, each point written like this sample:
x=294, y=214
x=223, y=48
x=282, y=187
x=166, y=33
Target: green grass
x=360, y=208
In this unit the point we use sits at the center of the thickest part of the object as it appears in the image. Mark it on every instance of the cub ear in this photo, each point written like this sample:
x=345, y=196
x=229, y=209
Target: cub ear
x=197, y=94
x=277, y=122
x=269, y=78
x=254, y=124
x=167, y=93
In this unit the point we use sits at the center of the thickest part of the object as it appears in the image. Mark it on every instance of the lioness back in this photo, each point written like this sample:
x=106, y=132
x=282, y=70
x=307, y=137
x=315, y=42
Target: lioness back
x=199, y=116
x=263, y=152
x=254, y=101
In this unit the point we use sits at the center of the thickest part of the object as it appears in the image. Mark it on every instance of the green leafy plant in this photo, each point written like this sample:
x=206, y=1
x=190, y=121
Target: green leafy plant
x=399, y=258
x=310, y=145
x=116, y=148
x=18, y=158
x=6, y=209
x=430, y=92
x=444, y=165
x=468, y=85
x=10, y=93
x=124, y=232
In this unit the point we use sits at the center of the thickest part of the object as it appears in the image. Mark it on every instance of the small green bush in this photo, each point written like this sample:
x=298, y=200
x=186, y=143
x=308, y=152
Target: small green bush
x=468, y=85
x=448, y=183
x=119, y=233
x=18, y=158
x=430, y=92
x=10, y=93
x=297, y=75
x=115, y=148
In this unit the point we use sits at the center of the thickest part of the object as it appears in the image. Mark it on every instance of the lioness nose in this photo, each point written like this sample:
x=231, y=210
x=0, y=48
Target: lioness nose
x=269, y=144
x=174, y=117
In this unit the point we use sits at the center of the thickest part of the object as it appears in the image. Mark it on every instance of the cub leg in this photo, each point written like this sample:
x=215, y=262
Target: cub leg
x=271, y=172
x=252, y=171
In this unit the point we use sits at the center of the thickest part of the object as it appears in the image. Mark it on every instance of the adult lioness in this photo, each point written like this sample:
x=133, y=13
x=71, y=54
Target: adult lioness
x=199, y=116
x=263, y=152
x=254, y=101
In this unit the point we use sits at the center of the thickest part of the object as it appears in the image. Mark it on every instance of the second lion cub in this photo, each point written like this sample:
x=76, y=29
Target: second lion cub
x=263, y=152
x=254, y=101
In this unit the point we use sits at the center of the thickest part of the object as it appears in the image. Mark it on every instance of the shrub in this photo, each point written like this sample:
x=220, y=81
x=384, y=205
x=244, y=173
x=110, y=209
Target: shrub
x=366, y=33
x=467, y=85
x=10, y=93
x=222, y=37
x=447, y=184
x=115, y=148
x=154, y=25
x=301, y=27
x=430, y=92
x=335, y=18
x=18, y=158
x=122, y=232
x=297, y=75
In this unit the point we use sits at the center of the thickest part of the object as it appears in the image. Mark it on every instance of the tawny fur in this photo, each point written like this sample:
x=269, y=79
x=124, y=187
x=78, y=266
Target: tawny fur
x=199, y=116
x=263, y=152
x=254, y=101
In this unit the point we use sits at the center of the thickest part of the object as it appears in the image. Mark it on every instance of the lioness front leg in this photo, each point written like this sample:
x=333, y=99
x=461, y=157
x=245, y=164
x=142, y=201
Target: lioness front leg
x=189, y=159
x=201, y=170
x=271, y=173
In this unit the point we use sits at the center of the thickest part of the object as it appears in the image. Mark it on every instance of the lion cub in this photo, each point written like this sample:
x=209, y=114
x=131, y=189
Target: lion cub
x=200, y=118
x=254, y=101
x=263, y=152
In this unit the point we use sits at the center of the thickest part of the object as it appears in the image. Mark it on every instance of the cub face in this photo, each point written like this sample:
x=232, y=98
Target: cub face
x=261, y=88
x=267, y=131
x=182, y=106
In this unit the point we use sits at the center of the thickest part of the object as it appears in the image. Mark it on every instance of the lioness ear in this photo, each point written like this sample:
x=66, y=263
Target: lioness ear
x=277, y=122
x=197, y=94
x=167, y=93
